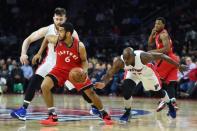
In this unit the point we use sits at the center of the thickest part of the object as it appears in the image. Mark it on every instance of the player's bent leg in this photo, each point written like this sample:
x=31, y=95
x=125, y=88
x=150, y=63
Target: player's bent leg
x=172, y=109
x=46, y=87
x=127, y=90
x=171, y=89
x=94, y=110
x=35, y=83
x=97, y=102
x=164, y=99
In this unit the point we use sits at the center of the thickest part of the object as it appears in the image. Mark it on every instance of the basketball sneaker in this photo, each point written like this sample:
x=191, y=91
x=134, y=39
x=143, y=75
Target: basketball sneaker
x=172, y=110
x=51, y=120
x=173, y=100
x=161, y=105
x=19, y=113
x=125, y=117
x=95, y=111
x=107, y=119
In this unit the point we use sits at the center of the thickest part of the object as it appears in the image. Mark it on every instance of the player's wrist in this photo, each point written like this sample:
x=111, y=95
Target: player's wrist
x=24, y=55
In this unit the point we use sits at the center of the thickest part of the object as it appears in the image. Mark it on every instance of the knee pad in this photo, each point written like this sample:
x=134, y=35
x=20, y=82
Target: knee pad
x=35, y=81
x=128, y=88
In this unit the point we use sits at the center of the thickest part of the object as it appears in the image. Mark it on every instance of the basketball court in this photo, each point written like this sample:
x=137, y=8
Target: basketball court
x=74, y=115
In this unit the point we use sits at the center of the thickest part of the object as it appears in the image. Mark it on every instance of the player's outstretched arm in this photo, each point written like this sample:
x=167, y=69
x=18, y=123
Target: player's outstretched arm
x=152, y=56
x=48, y=39
x=83, y=56
x=166, y=44
x=30, y=39
x=117, y=65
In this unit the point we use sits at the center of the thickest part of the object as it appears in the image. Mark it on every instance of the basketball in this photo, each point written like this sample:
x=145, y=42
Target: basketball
x=77, y=75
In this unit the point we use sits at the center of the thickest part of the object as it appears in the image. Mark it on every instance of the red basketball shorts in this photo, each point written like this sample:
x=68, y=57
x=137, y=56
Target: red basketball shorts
x=167, y=71
x=62, y=78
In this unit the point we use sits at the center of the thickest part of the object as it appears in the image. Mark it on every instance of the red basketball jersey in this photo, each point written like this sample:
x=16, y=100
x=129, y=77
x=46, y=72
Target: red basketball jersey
x=67, y=57
x=159, y=43
x=167, y=71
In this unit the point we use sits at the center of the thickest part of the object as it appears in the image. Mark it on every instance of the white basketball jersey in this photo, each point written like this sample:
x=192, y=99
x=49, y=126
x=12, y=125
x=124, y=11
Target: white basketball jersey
x=51, y=55
x=138, y=68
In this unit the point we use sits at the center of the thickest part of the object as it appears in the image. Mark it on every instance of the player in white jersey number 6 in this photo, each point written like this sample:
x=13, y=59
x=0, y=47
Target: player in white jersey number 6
x=138, y=69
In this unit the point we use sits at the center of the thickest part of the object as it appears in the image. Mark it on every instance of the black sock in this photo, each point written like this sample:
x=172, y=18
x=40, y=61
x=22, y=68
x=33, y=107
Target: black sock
x=93, y=106
x=127, y=110
x=103, y=112
x=26, y=104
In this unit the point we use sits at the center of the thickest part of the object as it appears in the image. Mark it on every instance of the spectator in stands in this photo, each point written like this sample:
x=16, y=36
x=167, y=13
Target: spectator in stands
x=17, y=78
x=3, y=85
x=27, y=72
x=185, y=83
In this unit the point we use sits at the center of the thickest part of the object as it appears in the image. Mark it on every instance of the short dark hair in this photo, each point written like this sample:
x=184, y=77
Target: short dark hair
x=60, y=11
x=68, y=27
x=162, y=19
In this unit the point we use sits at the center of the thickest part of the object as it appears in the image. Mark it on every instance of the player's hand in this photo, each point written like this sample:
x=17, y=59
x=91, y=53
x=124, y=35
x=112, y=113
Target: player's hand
x=153, y=33
x=99, y=85
x=183, y=68
x=24, y=59
x=36, y=58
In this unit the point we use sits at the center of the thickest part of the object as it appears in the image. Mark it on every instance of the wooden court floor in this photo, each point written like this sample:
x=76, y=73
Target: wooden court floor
x=74, y=115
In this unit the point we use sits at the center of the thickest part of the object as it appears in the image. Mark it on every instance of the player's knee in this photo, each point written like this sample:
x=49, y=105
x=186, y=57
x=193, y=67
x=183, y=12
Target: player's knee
x=35, y=82
x=161, y=93
x=128, y=88
x=89, y=93
x=45, y=86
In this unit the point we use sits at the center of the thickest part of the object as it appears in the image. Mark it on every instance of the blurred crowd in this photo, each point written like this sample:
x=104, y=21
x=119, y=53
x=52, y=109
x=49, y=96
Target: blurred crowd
x=106, y=27
x=15, y=77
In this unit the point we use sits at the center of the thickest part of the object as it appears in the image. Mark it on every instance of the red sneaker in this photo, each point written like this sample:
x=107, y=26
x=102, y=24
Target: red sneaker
x=107, y=119
x=51, y=120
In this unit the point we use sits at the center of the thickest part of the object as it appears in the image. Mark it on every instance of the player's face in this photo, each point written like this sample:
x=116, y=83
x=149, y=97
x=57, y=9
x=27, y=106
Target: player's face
x=59, y=19
x=62, y=33
x=159, y=25
x=129, y=60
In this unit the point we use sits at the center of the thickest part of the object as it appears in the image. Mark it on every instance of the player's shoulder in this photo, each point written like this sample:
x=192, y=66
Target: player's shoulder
x=138, y=51
x=119, y=59
x=81, y=44
x=52, y=38
x=164, y=33
x=51, y=26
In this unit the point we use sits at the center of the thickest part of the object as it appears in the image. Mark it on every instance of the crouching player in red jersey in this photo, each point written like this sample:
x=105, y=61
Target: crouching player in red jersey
x=70, y=53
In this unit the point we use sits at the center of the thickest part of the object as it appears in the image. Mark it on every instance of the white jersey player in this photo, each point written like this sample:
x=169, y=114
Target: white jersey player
x=138, y=69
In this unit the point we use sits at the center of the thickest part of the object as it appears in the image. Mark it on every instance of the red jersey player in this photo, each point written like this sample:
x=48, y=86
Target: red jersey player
x=71, y=53
x=167, y=72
